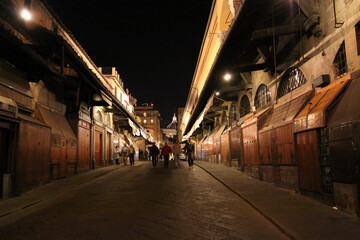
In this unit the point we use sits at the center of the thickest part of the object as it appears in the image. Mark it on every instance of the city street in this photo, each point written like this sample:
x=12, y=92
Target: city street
x=142, y=202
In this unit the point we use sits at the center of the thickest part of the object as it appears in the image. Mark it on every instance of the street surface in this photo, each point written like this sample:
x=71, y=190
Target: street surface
x=142, y=202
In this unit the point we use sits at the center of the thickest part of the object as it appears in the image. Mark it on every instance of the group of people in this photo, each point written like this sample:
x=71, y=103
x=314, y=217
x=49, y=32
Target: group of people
x=166, y=150
x=129, y=152
x=123, y=154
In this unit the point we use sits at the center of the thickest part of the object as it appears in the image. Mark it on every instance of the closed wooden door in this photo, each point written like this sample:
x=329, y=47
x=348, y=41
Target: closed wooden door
x=84, y=149
x=98, y=149
x=108, y=147
x=63, y=157
x=308, y=161
x=275, y=156
x=4, y=147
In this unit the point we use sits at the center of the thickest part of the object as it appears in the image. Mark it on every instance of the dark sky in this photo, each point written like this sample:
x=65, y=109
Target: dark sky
x=154, y=44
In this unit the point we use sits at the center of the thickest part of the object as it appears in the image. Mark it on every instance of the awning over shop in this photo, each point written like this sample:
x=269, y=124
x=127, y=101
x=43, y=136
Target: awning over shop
x=32, y=120
x=201, y=117
x=126, y=140
x=348, y=109
x=135, y=130
x=313, y=115
x=219, y=131
x=58, y=123
x=284, y=113
x=8, y=107
x=212, y=134
x=252, y=118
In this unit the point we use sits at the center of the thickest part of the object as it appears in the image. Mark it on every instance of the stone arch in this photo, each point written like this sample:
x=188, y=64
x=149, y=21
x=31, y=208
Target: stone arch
x=245, y=107
x=98, y=116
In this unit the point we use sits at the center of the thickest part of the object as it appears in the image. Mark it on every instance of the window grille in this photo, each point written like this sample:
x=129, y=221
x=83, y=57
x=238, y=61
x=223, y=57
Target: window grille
x=292, y=79
x=262, y=97
x=357, y=30
x=324, y=163
x=244, y=106
x=340, y=61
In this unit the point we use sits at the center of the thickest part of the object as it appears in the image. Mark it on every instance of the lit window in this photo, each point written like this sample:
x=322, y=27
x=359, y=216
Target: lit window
x=152, y=120
x=144, y=120
x=144, y=114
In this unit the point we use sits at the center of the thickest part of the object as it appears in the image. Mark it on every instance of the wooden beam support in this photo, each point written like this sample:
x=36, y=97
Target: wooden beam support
x=250, y=68
x=277, y=31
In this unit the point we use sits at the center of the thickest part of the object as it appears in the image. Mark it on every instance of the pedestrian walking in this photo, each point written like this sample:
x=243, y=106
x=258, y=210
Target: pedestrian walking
x=176, y=150
x=146, y=155
x=117, y=155
x=165, y=151
x=141, y=154
x=189, y=149
x=132, y=155
x=154, y=152
x=124, y=154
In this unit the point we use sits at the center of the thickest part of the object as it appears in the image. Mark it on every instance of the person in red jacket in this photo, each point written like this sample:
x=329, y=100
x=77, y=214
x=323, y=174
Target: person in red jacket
x=165, y=151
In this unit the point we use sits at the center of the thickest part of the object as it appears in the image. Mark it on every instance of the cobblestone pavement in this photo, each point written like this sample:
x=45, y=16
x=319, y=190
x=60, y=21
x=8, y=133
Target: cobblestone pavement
x=142, y=202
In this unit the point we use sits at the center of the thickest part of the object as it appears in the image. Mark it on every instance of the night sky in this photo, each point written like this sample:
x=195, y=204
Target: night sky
x=154, y=45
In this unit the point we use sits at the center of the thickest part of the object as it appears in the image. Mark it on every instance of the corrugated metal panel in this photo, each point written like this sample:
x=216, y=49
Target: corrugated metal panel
x=313, y=115
x=283, y=114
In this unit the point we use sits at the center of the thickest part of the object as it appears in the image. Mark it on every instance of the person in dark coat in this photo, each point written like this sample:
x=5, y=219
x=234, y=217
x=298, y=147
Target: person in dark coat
x=190, y=149
x=165, y=151
x=154, y=152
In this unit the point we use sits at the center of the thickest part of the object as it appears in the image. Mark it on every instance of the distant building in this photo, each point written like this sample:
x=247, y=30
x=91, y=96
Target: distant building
x=170, y=132
x=149, y=118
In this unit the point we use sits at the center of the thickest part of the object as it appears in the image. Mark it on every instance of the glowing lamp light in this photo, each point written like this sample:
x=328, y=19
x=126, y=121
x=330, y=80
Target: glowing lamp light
x=217, y=93
x=26, y=15
x=227, y=77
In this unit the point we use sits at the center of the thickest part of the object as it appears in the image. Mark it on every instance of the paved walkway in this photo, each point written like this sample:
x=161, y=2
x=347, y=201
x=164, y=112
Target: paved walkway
x=50, y=190
x=298, y=216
